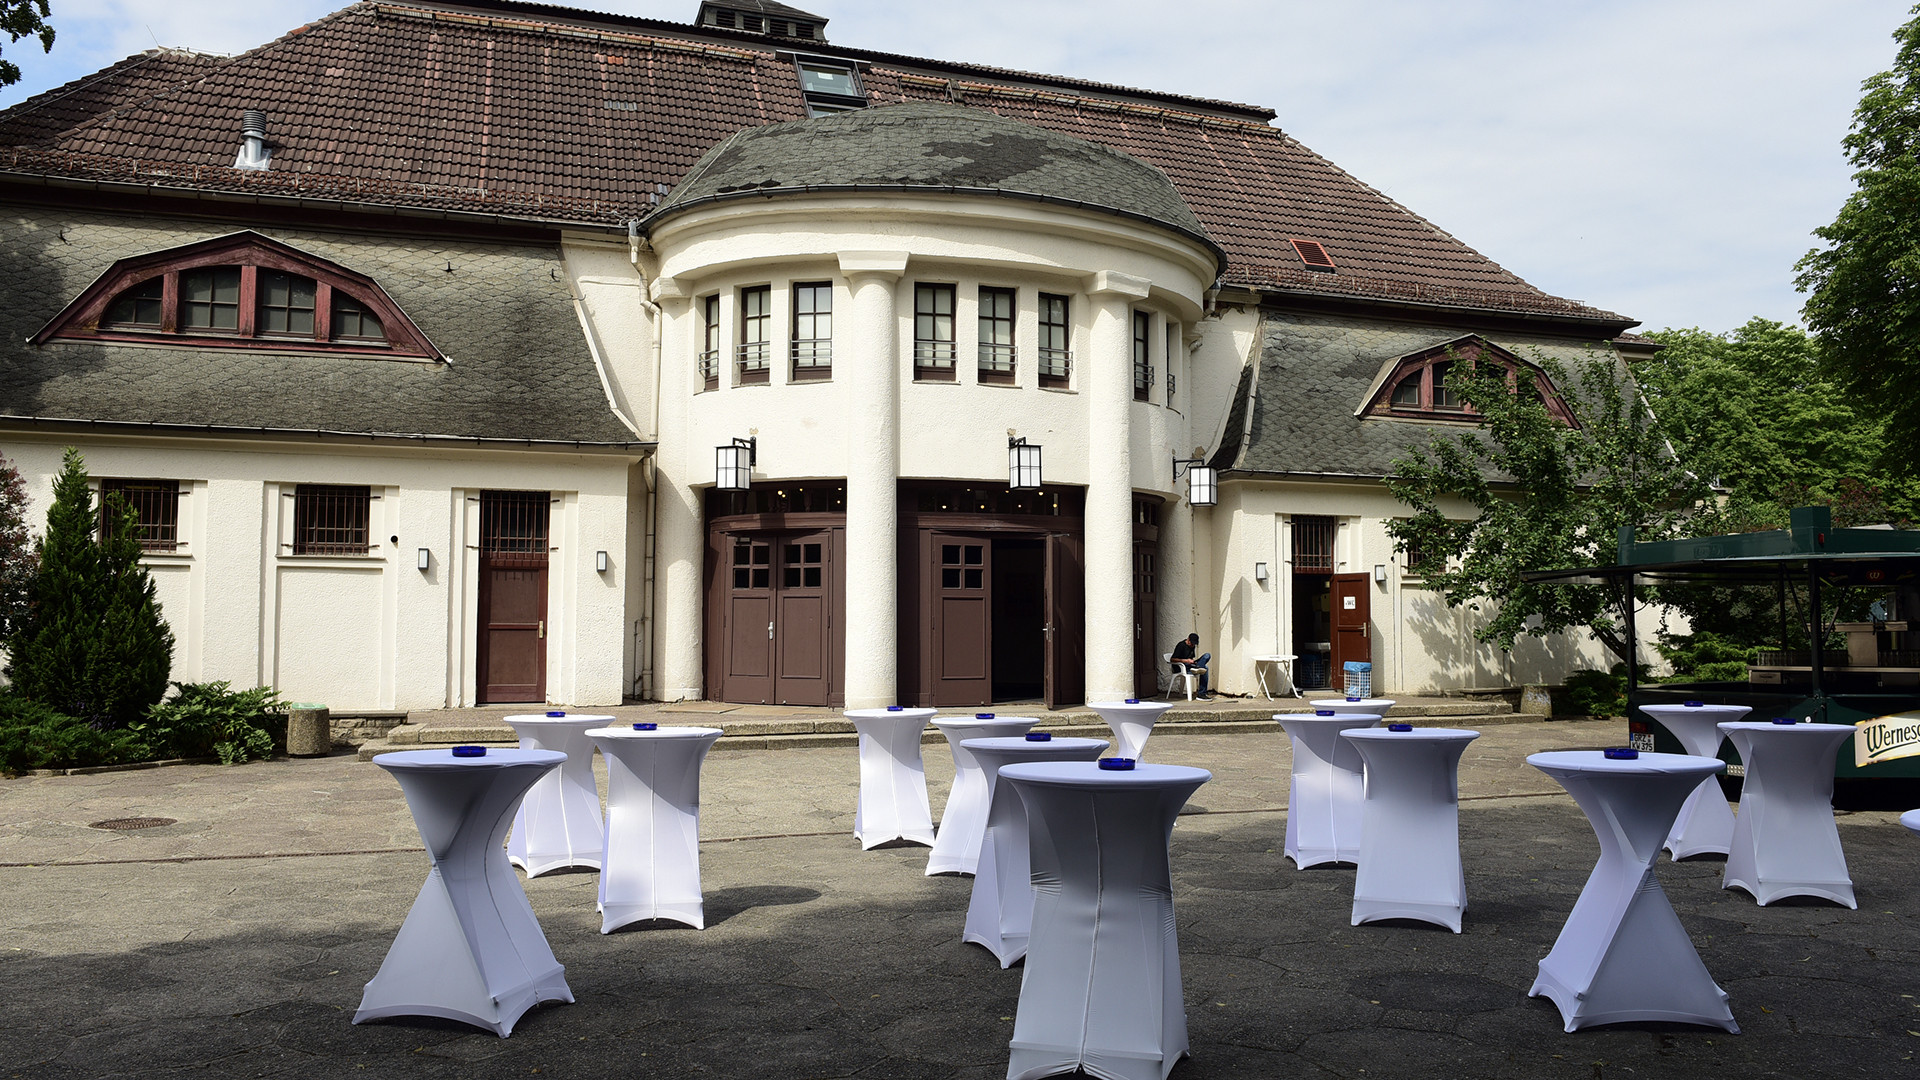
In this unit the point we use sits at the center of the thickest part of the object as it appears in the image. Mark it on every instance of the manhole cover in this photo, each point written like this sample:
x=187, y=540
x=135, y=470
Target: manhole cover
x=124, y=823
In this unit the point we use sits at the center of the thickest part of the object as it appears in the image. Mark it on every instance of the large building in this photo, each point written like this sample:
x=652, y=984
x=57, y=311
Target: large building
x=475, y=352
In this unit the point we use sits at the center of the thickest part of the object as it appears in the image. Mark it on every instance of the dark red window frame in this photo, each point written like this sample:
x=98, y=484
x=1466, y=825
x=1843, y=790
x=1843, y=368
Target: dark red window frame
x=84, y=319
x=1426, y=367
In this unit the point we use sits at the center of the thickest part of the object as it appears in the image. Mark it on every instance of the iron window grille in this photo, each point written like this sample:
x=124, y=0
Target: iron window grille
x=156, y=511
x=331, y=519
x=996, y=335
x=812, y=330
x=1313, y=544
x=1142, y=355
x=753, y=358
x=513, y=526
x=1056, y=361
x=933, y=344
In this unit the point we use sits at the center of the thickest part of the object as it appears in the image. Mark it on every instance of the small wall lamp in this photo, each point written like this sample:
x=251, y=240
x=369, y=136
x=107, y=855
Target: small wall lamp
x=1380, y=573
x=600, y=561
x=1260, y=571
x=423, y=559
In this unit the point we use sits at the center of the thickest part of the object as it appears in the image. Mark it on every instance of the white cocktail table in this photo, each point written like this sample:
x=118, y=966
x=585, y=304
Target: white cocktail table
x=1911, y=819
x=1785, y=842
x=1131, y=721
x=1410, y=825
x=470, y=948
x=1623, y=955
x=893, y=778
x=559, y=823
x=956, y=847
x=1705, y=825
x=1000, y=913
x=1326, y=790
x=1101, y=991
x=651, y=869
x=1364, y=707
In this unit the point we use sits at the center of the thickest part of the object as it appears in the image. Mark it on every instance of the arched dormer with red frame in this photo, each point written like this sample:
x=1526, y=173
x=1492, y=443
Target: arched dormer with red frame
x=244, y=291
x=1414, y=387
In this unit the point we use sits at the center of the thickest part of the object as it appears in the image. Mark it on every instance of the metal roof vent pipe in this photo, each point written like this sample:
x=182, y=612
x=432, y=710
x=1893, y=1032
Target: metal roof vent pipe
x=253, y=142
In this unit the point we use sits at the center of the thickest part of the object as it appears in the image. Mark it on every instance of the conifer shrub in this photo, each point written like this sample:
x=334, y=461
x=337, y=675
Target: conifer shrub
x=17, y=561
x=34, y=736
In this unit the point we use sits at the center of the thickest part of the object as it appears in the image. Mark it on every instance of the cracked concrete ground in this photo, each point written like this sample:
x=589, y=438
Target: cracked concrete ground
x=236, y=941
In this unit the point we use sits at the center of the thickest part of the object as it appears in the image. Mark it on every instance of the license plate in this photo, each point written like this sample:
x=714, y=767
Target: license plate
x=1641, y=740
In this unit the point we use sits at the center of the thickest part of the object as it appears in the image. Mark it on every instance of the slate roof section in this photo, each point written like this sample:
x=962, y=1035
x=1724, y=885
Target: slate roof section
x=539, y=112
x=927, y=145
x=520, y=367
x=1313, y=371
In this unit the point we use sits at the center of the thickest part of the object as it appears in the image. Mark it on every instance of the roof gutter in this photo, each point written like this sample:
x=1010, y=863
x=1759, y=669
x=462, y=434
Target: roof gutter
x=173, y=429
x=1611, y=324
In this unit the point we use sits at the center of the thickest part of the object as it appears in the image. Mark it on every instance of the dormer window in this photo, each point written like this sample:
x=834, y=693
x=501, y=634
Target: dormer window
x=762, y=17
x=241, y=290
x=829, y=86
x=1415, y=386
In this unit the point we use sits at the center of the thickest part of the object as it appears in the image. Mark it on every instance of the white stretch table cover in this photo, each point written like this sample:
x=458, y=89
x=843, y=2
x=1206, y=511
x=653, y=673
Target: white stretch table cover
x=651, y=869
x=470, y=949
x=559, y=822
x=893, y=778
x=1326, y=791
x=1101, y=990
x=1131, y=722
x=1410, y=826
x=1785, y=842
x=1623, y=955
x=1373, y=706
x=956, y=847
x=1911, y=819
x=1705, y=825
x=1000, y=914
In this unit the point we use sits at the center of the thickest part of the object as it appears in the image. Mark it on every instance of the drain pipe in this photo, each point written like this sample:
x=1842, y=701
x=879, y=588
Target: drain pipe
x=650, y=472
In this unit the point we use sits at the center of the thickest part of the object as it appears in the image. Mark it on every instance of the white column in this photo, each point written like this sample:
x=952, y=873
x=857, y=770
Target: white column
x=866, y=357
x=1106, y=376
x=680, y=541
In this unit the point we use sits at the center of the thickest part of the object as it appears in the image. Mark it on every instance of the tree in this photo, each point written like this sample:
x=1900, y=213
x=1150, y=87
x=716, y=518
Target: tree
x=23, y=18
x=17, y=561
x=1544, y=496
x=1863, y=288
x=93, y=645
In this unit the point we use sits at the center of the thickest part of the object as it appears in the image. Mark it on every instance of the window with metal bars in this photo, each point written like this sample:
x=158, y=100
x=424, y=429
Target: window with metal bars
x=1312, y=544
x=1056, y=359
x=513, y=526
x=156, y=510
x=331, y=519
x=812, y=330
x=710, y=344
x=1142, y=355
x=933, y=344
x=755, y=359
x=996, y=335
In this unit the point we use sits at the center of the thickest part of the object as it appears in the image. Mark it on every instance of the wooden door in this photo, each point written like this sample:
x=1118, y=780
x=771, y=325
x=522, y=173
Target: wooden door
x=1146, y=648
x=801, y=620
x=962, y=620
x=1066, y=622
x=511, y=655
x=1352, y=634
x=749, y=623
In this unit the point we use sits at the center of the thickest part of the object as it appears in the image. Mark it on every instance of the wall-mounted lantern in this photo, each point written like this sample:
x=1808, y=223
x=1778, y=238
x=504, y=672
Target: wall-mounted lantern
x=423, y=559
x=1023, y=465
x=1203, y=481
x=733, y=464
x=1260, y=572
x=600, y=561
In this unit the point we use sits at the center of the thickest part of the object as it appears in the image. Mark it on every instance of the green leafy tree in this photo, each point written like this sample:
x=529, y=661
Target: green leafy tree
x=1863, y=287
x=93, y=645
x=23, y=18
x=17, y=560
x=1543, y=495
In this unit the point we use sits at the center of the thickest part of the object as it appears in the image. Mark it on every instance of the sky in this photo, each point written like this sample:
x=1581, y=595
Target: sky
x=1666, y=159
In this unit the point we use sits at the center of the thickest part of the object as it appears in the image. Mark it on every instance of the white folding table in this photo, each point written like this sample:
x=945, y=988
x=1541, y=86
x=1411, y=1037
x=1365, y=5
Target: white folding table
x=1361, y=707
x=1000, y=912
x=1101, y=990
x=1623, y=955
x=470, y=948
x=1705, y=824
x=963, y=822
x=1410, y=825
x=559, y=823
x=1326, y=790
x=1785, y=842
x=893, y=777
x=1281, y=663
x=1131, y=721
x=651, y=869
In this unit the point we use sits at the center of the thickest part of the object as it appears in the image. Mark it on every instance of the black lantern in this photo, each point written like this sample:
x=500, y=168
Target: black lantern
x=1203, y=481
x=1023, y=465
x=733, y=464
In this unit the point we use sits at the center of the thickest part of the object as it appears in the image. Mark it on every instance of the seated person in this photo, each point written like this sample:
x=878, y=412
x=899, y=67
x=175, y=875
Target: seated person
x=1184, y=660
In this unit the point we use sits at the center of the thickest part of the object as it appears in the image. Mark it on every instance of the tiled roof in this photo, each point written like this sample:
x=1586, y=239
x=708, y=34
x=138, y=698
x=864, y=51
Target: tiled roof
x=132, y=80
x=534, y=111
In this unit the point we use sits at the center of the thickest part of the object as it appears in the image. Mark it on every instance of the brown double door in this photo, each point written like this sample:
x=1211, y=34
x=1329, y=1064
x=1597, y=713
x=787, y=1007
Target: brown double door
x=512, y=650
x=778, y=619
x=1003, y=617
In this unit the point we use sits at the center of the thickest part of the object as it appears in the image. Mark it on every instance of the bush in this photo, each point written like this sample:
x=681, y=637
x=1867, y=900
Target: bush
x=1597, y=693
x=1705, y=657
x=214, y=720
x=33, y=736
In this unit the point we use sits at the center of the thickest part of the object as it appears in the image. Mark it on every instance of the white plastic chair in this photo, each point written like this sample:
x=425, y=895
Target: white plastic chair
x=1179, y=674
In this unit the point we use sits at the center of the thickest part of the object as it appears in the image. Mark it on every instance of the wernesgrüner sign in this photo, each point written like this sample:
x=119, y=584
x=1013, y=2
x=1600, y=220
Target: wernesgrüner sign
x=1886, y=738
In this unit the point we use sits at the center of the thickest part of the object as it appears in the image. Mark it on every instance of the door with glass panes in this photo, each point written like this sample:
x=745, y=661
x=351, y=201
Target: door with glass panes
x=779, y=619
